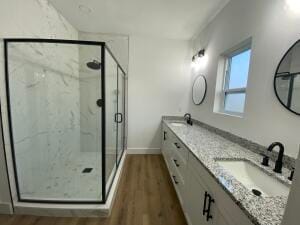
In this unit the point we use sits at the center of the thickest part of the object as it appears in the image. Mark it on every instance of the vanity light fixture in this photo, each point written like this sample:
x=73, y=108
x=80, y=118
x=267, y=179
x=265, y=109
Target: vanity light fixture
x=199, y=54
x=199, y=60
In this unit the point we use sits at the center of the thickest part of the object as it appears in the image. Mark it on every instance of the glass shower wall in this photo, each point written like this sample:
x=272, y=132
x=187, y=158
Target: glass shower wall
x=111, y=132
x=55, y=122
x=121, y=113
x=115, y=108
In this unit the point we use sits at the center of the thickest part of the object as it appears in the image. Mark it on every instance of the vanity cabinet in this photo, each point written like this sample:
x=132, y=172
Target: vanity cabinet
x=202, y=199
x=203, y=207
x=175, y=155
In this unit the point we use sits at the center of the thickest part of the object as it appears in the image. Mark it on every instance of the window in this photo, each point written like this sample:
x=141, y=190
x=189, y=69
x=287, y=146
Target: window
x=235, y=81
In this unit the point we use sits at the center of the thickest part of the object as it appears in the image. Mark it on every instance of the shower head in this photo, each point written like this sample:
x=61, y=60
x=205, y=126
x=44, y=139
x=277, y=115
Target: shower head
x=94, y=65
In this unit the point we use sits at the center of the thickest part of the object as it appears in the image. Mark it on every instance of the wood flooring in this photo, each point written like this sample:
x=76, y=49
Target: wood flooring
x=145, y=196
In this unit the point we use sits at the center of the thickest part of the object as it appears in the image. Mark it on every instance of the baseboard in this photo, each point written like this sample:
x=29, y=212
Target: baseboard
x=6, y=208
x=144, y=151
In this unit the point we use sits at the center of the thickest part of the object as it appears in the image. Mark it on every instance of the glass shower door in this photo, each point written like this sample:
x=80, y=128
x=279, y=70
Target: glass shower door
x=121, y=113
x=111, y=99
x=55, y=121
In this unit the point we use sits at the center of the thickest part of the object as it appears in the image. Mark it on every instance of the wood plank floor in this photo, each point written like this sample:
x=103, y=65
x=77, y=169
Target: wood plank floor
x=145, y=197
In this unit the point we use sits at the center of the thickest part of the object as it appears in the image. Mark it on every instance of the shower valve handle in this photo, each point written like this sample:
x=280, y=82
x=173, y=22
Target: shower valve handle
x=99, y=102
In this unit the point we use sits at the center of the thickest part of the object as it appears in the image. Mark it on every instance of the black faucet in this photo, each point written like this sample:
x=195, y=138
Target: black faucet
x=279, y=161
x=188, y=118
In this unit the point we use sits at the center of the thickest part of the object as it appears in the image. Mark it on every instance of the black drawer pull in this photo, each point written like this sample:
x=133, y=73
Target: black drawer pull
x=204, y=203
x=165, y=137
x=175, y=161
x=177, y=145
x=207, y=211
x=175, y=181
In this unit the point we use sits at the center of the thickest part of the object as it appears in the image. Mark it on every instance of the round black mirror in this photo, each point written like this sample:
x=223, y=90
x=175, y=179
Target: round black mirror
x=287, y=79
x=199, y=90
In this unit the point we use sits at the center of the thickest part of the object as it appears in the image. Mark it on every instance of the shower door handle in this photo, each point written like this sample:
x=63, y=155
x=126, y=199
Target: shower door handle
x=117, y=117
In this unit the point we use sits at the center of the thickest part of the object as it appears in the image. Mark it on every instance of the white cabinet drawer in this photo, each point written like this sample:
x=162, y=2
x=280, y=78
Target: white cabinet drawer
x=176, y=162
x=166, y=143
x=179, y=184
x=203, y=205
x=224, y=203
x=195, y=201
x=179, y=165
x=179, y=149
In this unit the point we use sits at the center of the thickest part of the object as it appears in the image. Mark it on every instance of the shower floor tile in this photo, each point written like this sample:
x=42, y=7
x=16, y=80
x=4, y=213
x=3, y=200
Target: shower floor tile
x=66, y=182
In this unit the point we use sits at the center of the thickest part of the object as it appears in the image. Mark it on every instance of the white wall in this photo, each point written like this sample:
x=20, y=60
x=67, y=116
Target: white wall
x=25, y=19
x=158, y=84
x=273, y=28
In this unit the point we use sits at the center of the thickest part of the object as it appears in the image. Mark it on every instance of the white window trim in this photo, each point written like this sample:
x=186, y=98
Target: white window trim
x=226, y=76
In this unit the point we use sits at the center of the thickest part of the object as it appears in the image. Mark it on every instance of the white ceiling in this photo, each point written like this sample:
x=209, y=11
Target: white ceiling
x=176, y=19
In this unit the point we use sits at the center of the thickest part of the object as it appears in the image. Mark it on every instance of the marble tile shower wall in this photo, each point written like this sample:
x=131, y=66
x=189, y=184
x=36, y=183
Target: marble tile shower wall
x=45, y=109
x=90, y=91
x=43, y=21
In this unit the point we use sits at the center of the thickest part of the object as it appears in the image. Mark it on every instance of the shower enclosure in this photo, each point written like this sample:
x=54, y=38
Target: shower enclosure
x=66, y=117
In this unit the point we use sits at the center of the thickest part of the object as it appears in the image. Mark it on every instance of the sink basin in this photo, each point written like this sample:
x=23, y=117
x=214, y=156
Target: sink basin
x=178, y=124
x=254, y=178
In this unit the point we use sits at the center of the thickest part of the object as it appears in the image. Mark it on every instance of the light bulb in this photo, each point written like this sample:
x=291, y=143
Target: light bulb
x=199, y=63
x=293, y=5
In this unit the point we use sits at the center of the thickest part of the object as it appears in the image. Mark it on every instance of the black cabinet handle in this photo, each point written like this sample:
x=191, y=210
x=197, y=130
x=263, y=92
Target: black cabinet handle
x=204, y=203
x=207, y=211
x=165, y=137
x=177, y=145
x=175, y=161
x=175, y=181
x=208, y=215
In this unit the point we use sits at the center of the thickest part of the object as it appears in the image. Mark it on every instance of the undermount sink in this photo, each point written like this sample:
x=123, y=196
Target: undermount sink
x=178, y=124
x=254, y=178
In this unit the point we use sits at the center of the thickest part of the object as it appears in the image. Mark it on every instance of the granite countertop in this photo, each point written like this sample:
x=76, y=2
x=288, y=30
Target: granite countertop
x=208, y=146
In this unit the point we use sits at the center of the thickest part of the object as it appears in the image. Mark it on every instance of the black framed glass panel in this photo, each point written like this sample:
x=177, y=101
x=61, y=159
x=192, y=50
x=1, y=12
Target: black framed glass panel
x=55, y=103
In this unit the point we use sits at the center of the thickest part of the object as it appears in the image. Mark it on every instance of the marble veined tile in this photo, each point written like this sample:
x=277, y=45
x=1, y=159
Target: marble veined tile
x=66, y=180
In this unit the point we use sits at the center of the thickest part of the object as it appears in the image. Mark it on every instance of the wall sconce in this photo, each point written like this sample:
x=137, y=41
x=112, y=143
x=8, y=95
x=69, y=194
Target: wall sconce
x=199, y=60
x=199, y=54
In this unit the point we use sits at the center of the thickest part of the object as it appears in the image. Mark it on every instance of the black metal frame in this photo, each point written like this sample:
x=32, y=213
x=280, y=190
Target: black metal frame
x=288, y=105
x=117, y=133
x=103, y=46
x=124, y=111
x=203, y=98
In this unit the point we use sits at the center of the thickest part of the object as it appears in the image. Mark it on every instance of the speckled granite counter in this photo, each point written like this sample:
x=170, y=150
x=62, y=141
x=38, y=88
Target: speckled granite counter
x=208, y=146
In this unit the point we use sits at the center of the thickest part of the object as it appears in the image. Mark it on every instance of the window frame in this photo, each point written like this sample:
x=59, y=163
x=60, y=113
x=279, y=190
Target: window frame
x=226, y=90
